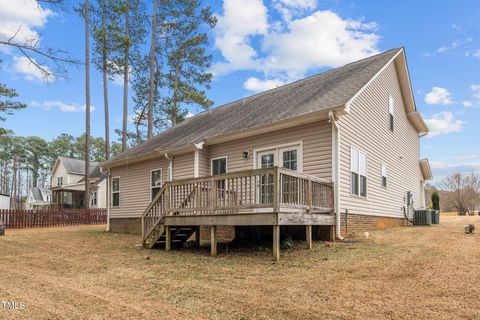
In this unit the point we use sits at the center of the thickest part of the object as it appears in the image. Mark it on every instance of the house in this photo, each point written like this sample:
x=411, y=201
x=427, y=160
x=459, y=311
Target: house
x=337, y=151
x=38, y=198
x=68, y=184
x=4, y=201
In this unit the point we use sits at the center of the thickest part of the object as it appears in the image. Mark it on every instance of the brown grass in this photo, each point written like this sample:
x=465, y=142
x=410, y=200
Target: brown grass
x=85, y=273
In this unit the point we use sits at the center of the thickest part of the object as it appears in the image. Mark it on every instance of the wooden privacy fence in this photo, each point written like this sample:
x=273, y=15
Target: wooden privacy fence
x=52, y=217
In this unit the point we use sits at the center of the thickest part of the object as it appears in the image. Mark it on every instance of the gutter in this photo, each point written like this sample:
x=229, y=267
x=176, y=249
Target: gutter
x=336, y=172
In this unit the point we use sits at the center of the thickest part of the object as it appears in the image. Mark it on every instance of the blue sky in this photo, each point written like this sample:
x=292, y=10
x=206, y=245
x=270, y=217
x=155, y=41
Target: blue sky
x=258, y=45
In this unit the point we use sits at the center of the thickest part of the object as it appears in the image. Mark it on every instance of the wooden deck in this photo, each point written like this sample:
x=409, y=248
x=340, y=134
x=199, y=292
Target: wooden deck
x=270, y=196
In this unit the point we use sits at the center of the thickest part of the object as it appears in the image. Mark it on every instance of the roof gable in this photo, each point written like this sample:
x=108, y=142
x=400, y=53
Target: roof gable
x=71, y=165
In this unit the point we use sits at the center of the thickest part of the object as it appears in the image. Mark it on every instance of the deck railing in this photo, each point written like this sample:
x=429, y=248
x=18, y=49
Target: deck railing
x=260, y=190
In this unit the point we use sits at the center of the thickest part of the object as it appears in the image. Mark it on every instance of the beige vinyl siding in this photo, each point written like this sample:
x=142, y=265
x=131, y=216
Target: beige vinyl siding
x=315, y=137
x=367, y=128
x=135, y=186
x=183, y=166
x=203, y=162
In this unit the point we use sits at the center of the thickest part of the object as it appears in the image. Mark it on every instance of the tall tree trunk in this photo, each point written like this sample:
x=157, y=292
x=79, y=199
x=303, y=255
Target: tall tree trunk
x=87, y=110
x=174, y=115
x=151, y=88
x=125, y=80
x=13, y=189
x=105, y=89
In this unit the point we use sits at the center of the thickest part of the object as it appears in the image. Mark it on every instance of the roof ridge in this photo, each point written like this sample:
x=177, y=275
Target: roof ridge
x=289, y=84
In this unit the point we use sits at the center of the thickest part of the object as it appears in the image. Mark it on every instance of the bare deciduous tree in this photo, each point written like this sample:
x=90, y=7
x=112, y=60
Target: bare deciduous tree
x=462, y=191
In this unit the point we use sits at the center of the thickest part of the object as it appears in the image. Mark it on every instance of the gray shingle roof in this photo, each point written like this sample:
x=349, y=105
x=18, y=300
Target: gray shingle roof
x=75, y=165
x=323, y=91
x=39, y=194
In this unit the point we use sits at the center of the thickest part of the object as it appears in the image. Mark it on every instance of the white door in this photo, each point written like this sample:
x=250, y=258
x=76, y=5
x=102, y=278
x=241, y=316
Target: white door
x=266, y=159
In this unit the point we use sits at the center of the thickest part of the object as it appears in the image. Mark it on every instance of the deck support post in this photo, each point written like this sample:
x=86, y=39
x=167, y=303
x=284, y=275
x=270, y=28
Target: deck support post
x=168, y=239
x=197, y=236
x=213, y=241
x=276, y=243
x=331, y=233
x=308, y=236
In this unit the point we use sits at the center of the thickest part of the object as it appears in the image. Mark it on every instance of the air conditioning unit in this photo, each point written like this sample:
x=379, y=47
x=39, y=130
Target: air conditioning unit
x=422, y=218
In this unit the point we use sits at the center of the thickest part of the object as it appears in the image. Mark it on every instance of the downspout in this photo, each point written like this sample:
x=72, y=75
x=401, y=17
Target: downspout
x=170, y=166
x=107, y=173
x=336, y=172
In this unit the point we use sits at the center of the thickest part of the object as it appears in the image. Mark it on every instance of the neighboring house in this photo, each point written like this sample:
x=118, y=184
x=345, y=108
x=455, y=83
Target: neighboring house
x=68, y=184
x=38, y=198
x=4, y=201
x=343, y=140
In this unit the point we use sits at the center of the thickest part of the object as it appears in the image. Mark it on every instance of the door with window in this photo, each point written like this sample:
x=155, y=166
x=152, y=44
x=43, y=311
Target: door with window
x=288, y=157
x=266, y=159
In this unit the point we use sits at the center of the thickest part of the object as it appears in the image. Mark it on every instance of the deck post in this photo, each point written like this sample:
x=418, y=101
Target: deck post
x=309, y=236
x=168, y=239
x=197, y=236
x=276, y=242
x=213, y=241
x=331, y=234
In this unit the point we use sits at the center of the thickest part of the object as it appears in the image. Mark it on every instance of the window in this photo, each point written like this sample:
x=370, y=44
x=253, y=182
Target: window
x=358, y=168
x=384, y=175
x=93, y=198
x=115, y=192
x=391, y=104
x=155, y=182
x=219, y=166
x=290, y=159
x=60, y=181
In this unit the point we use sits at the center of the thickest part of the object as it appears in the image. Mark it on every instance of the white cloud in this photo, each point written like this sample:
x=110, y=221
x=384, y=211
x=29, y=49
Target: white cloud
x=300, y=4
x=286, y=49
x=256, y=85
x=240, y=22
x=475, y=88
x=22, y=17
x=30, y=71
x=290, y=8
x=443, y=123
x=467, y=104
x=61, y=106
x=475, y=53
x=322, y=39
x=438, y=96
x=449, y=47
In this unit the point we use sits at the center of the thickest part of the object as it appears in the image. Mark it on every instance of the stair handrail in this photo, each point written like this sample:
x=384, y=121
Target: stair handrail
x=149, y=208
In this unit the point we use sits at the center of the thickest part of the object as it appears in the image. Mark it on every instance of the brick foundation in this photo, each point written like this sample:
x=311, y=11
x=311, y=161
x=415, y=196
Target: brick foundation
x=354, y=224
x=357, y=224
x=126, y=225
x=224, y=234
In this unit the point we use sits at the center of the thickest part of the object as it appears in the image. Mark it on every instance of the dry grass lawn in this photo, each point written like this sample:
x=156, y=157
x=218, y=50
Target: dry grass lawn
x=85, y=273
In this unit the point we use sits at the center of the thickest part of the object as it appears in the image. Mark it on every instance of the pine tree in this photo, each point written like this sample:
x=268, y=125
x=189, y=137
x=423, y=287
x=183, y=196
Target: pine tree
x=128, y=31
x=187, y=61
x=102, y=47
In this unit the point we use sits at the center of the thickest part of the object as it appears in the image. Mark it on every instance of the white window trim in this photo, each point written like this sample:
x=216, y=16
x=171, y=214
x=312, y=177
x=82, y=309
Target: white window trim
x=391, y=104
x=119, y=189
x=277, y=149
x=350, y=172
x=391, y=111
x=217, y=158
x=150, y=181
x=383, y=165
